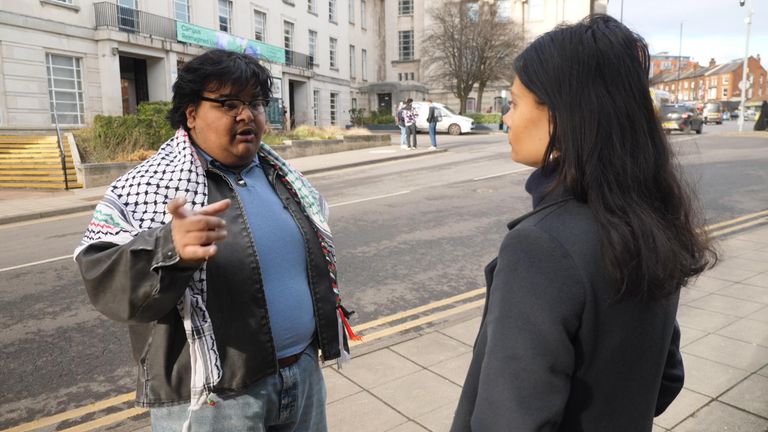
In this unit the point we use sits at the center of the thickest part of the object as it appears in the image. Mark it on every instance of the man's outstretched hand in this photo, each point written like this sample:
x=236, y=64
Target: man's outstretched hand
x=195, y=232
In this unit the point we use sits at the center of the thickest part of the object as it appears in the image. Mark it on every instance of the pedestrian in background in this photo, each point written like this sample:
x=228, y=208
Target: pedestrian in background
x=504, y=111
x=579, y=331
x=761, y=123
x=401, y=124
x=409, y=120
x=433, y=117
x=218, y=255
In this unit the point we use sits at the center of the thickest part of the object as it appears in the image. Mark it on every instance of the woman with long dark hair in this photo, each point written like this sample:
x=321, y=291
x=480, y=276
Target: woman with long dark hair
x=579, y=331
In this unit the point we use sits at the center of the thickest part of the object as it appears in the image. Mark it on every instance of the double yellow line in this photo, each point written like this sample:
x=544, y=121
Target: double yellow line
x=715, y=230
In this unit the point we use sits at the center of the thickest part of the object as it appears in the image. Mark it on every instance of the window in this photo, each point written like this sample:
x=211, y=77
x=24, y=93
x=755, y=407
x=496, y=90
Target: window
x=535, y=10
x=685, y=84
x=64, y=1
x=332, y=54
x=332, y=11
x=65, y=89
x=405, y=7
x=504, y=10
x=364, y=59
x=354, y=103
x=181, y=10
x=312, y=46
x=312, y=6
x=471, y=104
x=351, y=11
x=259, y=25
x=726, y=79
x=315, y=106
x=363, y=18
x=225, y=16
x=725, y=92
x=288, y=35
x=352, y=71
x=406, y=45
x=334, y=107
x=127, y=15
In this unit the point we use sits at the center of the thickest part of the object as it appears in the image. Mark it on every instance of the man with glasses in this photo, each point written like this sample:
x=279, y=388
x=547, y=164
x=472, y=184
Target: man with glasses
x=219, y=256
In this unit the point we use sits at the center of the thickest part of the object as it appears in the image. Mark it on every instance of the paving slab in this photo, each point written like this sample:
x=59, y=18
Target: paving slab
x=718, y=417
x=730, y=352
x=727, y=305
x=431, y=349
x=465, y=332
x=426, y=392
x=703, y=320
x=710, y=378
x=746, y=292
x=750, y=395
x=378, y=368
x=747, y=330
x=686, y=403
x=362, y=412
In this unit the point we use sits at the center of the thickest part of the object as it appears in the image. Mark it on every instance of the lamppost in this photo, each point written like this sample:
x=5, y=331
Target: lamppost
x=744, y=85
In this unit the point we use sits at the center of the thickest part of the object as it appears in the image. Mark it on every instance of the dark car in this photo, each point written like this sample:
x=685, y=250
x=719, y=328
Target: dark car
x=684, y=118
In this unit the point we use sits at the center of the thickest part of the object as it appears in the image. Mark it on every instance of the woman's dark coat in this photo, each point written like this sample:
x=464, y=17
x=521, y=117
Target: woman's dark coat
x=555, y=351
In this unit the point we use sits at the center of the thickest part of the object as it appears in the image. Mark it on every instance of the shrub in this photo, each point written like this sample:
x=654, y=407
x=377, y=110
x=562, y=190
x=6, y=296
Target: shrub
x=485, y=118
x=120, y=138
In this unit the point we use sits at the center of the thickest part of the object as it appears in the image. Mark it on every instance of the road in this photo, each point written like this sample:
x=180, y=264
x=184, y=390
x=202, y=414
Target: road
x=408, y=233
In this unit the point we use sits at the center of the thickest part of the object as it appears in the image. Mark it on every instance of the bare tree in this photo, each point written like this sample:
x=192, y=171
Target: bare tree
x=467, y=44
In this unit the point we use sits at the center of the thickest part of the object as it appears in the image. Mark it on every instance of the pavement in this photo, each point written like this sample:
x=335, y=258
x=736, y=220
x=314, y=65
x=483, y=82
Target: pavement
x=410, y=380
x=17, y=205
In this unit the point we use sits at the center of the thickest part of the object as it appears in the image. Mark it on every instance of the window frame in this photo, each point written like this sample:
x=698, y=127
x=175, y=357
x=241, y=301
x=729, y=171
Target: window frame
x=228, y=17
x=405, y=8
x=403, y=53
x=259, y=12
x=53, y=91
x=333, y=48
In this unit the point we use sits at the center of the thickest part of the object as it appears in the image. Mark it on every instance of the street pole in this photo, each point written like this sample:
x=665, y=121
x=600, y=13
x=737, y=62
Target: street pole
x=679, y=59
x=743, y=85
x=621, y=17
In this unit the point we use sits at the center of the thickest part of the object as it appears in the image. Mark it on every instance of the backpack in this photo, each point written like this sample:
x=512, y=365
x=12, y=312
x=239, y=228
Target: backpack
x=400, y=119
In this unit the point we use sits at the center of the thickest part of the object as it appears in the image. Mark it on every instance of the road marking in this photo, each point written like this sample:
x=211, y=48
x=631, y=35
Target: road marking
x=35, y=263
x=417, y=322
x=77, y=412
x=738, y=227
x=106, y=420
x=416, y=310
x=369, y=198
x=503, y=174
x=738, y=219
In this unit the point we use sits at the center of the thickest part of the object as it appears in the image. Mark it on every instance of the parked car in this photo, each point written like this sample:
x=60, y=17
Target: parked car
x=682, y=118
x=713, y=113
x=750, y=115
x=452, y=123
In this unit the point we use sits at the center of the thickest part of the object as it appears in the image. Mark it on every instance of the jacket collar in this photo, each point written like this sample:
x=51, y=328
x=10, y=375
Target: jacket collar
x=557, y=196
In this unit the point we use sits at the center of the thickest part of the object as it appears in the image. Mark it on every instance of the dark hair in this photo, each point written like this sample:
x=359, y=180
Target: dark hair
x=613, y=154
x=212, y=71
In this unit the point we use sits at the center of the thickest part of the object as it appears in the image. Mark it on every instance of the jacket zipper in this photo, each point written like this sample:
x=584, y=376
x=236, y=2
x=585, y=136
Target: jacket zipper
x=253, y=247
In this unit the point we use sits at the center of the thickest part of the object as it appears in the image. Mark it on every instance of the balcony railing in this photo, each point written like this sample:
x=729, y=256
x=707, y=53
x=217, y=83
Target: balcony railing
x=131, y=20
x=134, y=21
x=297, y=59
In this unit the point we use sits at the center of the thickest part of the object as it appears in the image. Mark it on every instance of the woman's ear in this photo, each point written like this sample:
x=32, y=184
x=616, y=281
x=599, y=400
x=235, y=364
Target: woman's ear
x=191, y=112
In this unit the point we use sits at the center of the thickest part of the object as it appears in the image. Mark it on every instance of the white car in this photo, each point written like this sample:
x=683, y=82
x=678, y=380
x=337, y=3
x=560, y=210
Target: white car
x=452, y=123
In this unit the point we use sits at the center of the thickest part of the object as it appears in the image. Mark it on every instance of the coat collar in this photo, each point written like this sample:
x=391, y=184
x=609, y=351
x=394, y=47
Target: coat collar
x=553, y=198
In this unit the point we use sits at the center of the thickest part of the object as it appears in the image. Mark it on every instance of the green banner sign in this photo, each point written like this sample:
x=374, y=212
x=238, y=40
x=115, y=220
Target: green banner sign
x=208, y=38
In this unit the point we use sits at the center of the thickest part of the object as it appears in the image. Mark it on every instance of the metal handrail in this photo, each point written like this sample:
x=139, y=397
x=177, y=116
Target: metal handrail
x=131, y=20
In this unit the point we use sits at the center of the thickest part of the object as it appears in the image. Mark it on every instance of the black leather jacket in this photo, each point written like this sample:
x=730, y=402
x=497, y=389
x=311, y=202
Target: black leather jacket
x=140, y=282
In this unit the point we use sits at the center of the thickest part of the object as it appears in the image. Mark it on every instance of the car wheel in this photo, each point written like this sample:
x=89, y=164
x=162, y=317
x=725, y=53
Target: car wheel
x=454, y=129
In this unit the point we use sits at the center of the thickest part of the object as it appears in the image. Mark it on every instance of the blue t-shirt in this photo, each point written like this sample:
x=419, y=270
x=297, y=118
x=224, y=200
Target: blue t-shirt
x=282, y=258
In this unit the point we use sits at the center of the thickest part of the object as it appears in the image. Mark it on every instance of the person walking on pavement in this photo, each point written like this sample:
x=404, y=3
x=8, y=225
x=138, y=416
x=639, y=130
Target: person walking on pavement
x=218, y=255
x=579, y=330
x=761, y=123
x=433, y=118
x=504, y=111
x=400, y=122
x=409, y=120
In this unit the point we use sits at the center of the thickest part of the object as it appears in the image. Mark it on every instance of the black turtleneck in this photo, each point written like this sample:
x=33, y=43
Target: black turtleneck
x=538, y=184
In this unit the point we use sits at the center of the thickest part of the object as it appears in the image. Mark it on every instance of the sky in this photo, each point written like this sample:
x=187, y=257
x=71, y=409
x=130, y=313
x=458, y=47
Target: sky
x=711, y=28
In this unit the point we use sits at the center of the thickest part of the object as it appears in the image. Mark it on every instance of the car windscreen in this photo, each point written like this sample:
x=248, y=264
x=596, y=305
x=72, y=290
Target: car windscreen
x=672, y=110
x=712, y=107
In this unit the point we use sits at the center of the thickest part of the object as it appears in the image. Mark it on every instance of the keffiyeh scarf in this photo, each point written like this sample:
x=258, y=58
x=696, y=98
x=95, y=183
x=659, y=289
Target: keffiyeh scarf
x=136, y=202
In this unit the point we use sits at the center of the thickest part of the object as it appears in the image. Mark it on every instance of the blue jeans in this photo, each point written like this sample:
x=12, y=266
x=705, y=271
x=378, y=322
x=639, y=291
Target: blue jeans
x=291, y=400
x=403, y=135
x=433, y=134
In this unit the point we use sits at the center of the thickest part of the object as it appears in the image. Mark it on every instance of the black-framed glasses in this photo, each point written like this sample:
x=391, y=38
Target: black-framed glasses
x=234, y=107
